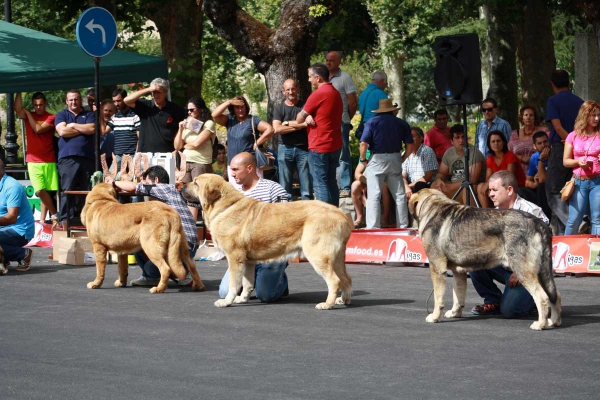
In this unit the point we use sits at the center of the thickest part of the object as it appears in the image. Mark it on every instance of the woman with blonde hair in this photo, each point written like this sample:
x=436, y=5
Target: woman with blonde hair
x=582, y=149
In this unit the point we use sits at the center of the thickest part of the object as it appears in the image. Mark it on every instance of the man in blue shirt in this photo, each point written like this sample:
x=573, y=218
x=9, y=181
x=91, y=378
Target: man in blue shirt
x=491, y=122
x=76, y=153
x=561, y=111
x=16, y=223
x=384, y=135
x=369, y=99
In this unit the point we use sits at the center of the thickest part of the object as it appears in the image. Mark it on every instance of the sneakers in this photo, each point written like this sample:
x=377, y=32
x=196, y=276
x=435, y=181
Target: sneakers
x=185, y=282
x=344, y=193
x=486, y=309
x=25, y=263
x=4, y=267
x=144, y=281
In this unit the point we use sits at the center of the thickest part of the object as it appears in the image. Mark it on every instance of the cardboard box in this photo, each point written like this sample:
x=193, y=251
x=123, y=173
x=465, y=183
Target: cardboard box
x=57, y=234
x=74, y=251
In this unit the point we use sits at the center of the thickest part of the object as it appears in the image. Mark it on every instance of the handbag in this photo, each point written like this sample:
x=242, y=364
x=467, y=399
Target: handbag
x=567, y=190
x=264, y=161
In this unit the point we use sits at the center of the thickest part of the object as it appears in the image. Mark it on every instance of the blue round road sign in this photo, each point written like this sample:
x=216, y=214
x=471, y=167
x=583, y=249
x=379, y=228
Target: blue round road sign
x=96, y=31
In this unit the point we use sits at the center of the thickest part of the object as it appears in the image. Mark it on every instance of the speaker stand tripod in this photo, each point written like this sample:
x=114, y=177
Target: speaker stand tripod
x=466, y=184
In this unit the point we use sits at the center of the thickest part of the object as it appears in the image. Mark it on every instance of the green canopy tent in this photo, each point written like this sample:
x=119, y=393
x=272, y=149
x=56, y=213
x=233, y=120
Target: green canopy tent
x=32, y=61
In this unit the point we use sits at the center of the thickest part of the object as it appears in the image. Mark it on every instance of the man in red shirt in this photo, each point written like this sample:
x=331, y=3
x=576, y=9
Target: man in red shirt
x=40, y=158
x=323, y=114
x=438, y=137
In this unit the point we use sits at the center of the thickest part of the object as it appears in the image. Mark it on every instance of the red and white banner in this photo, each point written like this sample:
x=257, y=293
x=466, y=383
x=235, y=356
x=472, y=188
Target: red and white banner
x=42, y=236
x=570, y=254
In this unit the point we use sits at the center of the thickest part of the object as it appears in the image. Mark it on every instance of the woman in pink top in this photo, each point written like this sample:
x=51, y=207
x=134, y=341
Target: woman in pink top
x=500, y=159
x=582, y=148
x=521, y=140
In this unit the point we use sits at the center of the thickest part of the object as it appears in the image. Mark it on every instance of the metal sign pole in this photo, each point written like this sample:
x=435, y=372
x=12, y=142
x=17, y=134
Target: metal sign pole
x=97, y=113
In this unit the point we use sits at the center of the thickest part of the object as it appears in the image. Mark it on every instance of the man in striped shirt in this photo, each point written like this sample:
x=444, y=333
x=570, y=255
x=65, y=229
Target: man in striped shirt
x=271, y=282
x=125, y=125
x=516, y=300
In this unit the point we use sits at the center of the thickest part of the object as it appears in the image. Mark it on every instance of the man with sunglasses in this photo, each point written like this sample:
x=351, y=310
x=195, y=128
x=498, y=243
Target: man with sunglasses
x=491, y=122
x=159, y=117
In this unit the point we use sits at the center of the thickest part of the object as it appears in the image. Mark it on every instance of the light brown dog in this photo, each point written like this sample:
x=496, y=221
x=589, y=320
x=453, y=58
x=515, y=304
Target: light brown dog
x=126, y=228
x=249, y=231
x=461, y=238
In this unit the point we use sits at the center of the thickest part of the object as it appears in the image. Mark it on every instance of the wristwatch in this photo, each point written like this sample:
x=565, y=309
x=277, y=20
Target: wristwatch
x=286, y=123
x=363, y=161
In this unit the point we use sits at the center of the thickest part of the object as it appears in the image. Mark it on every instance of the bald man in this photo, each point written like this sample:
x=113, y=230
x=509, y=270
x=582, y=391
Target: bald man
x=292, y=153
x=271, y=282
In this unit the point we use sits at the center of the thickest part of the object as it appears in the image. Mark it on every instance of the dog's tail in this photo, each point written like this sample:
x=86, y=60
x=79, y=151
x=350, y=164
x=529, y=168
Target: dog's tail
x=177, y=250
x=545, y=273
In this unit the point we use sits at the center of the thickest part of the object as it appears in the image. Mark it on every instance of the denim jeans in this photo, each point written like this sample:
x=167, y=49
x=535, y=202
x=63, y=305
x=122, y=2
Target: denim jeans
x=75, y=173
x=322, y=168
x=586, y=196
x=290, y=158
x=514, y=302
x=12, y=243
x=345, y=159
x=149, y=269
x=270, y=281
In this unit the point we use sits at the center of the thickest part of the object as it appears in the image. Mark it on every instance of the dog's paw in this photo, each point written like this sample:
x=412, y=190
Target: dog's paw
x=118, y=283
x=341, y=301
x=431, y=318
x=453, y=313
x=222, y=303
x=240, y=299
x=323, y=306
x=94, y=285
x=553, y=324
x=538, y=326
x=198, y=288
x=155, y=289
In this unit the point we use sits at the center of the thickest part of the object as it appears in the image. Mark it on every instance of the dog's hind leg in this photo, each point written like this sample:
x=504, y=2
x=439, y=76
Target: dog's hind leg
x=541, y=301
x=123, y=271
x=197, y=283
x=459, y=293
x=345, y=280
x=100, y=255
x=439, y=289
x=248, y=278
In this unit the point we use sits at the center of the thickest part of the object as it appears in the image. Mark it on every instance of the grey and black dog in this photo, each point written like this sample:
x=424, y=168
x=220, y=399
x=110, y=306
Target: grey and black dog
x=461, y=238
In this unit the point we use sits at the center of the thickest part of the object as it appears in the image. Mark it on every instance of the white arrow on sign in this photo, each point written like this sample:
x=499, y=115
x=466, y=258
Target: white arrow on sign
x=90, y=25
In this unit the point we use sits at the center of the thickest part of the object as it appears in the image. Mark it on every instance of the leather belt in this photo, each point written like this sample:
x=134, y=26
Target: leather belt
x=394, y=152
x=585, y=178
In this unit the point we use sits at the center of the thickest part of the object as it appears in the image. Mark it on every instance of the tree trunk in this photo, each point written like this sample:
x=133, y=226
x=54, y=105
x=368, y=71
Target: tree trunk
x=503, y=63
x=393, y=64
x=592, y=13
x=279, y=53
x=180, y=28
x=535, y=49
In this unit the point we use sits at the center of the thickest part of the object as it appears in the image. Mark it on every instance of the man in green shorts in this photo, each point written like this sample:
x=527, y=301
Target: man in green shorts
x=40, y=158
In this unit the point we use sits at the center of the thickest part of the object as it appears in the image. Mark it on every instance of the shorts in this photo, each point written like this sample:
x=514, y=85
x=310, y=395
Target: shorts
x=193, y=170
x=43, y=176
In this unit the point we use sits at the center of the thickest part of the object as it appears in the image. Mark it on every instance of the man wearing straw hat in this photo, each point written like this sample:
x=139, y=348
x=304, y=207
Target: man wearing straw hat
x=384, y=135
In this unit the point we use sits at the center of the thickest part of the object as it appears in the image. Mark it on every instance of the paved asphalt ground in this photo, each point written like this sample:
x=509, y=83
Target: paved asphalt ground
x=60, y=340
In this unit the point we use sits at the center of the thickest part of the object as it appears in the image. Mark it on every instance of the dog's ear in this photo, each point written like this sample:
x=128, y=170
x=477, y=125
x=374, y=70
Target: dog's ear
x=211, y=192
x=413, y=203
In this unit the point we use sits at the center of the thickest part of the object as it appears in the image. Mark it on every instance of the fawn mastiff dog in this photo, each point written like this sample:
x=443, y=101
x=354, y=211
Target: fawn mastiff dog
x=126, y=228
x=462, y=238
x=249, y=231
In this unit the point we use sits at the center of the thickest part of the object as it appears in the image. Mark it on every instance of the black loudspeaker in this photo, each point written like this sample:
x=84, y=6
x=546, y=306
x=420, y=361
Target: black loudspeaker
x=457, y=74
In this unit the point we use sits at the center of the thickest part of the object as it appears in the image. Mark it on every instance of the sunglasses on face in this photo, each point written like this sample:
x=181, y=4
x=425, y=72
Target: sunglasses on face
x=487, y=109
x=191, y=109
